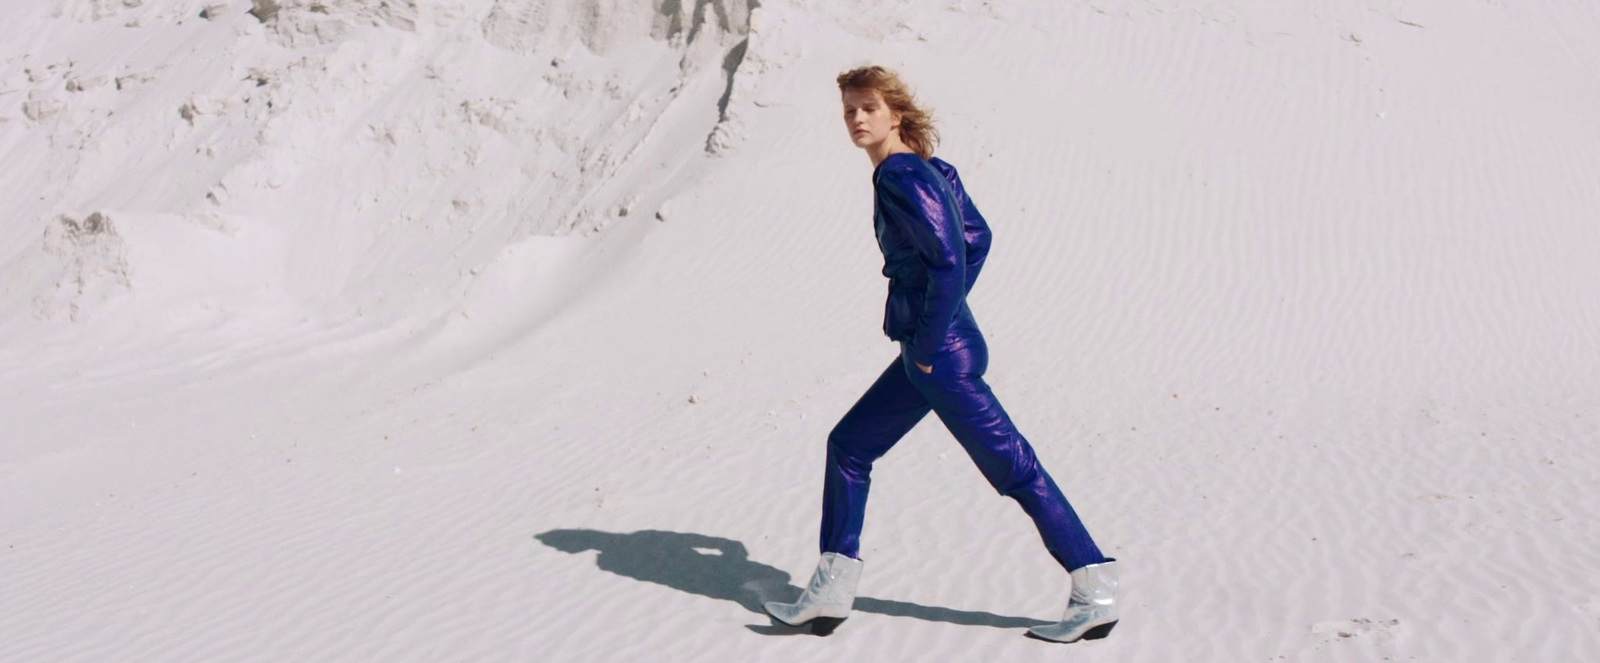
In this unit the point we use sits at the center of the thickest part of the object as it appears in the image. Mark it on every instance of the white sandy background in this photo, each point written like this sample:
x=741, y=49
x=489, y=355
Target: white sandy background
x=337, y=330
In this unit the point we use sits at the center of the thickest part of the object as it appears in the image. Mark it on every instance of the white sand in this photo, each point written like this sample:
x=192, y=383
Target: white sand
x=363, y=360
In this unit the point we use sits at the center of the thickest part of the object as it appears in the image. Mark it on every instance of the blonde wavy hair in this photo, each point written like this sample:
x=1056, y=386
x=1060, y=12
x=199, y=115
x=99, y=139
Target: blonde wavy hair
x=916, y=123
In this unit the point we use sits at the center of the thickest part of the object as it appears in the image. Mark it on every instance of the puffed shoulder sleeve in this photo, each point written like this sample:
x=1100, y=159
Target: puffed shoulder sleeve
x=922, y=204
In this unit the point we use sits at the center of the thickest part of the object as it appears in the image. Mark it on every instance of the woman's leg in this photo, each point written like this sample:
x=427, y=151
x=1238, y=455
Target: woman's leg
x=958, y=394
x=890, y=408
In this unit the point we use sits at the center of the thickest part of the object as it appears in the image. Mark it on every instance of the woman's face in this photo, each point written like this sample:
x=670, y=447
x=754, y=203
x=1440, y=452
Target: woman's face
x=867, y=117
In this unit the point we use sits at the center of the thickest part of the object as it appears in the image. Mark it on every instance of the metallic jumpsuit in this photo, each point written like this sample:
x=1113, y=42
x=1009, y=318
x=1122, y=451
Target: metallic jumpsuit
x=934, y=242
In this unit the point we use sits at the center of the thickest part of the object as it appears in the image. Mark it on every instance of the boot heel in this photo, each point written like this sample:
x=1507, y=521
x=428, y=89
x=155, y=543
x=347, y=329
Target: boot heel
x=824, y=625
x=1098, y=632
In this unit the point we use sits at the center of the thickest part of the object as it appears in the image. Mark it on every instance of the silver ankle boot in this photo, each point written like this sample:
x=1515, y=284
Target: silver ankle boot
x=827, y=599
x=1092, y=610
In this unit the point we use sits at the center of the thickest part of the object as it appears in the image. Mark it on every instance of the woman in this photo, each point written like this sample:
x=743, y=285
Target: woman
x=934, y=242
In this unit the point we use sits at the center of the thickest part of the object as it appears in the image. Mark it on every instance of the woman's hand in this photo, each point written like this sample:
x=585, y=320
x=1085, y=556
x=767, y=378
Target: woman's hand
x=925, y=369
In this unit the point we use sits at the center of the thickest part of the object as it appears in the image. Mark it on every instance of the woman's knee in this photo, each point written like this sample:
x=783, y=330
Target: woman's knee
x=838, y=440
x=1012, y=469
x=850, y=445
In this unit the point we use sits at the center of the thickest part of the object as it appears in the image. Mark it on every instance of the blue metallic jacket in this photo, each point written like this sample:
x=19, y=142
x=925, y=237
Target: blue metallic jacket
x=933, y=241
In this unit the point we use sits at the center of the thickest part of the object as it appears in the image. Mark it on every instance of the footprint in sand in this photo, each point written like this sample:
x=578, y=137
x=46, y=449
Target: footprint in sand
x=1375, y=631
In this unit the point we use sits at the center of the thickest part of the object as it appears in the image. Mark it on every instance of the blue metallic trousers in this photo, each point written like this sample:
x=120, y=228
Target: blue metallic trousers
x=956, y=391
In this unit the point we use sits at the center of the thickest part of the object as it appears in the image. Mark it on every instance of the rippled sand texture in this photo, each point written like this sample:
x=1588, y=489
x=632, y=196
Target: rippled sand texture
x=480, y=330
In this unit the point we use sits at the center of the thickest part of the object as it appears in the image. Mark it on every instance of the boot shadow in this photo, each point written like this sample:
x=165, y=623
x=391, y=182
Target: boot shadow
x=720, y=568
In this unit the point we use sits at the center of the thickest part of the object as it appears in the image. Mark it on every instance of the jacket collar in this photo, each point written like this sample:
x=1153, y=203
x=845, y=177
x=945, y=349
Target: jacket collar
x=879, y=167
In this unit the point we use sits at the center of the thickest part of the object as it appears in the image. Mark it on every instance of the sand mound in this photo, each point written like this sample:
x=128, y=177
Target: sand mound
x=306, y=23
x=95, y=10
x=80, y=262
x=402, y=140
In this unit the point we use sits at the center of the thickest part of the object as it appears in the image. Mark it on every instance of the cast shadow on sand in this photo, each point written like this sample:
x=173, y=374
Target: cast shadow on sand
x=722, y=569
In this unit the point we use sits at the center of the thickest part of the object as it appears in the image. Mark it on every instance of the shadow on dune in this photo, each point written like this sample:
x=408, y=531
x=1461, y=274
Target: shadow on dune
x=722, y=569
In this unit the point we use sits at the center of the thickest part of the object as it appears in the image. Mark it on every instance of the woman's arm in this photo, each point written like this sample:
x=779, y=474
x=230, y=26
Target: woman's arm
x=975, y=228
x=926, y=213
